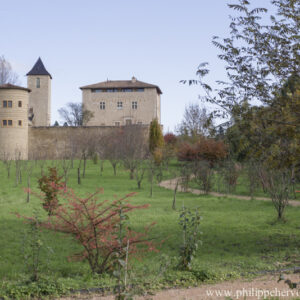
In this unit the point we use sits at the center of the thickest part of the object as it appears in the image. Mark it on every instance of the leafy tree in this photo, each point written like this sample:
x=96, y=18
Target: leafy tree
x=7, y=75
x=258, y=57
x=75, y=114
x=50, y=185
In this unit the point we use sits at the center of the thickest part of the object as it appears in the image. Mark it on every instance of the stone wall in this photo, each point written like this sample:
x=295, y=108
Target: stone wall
x=59, y=142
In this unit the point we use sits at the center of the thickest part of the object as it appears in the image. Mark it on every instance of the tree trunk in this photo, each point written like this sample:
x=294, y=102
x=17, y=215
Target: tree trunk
x=84, y=166
x=131, y=174
x=174, y=198
x=28, y=187
x=78, y=176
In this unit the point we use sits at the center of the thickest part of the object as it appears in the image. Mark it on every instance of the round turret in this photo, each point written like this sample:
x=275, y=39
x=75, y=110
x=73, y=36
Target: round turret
x=13, y=121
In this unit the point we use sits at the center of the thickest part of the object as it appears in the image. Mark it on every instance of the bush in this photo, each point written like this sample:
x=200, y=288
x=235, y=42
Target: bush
x=204, y=149
x=190, y=223
x=96, y=227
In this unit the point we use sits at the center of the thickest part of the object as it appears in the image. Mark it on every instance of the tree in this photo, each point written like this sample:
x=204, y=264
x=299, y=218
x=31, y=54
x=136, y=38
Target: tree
x=134, y=147
x=75, y=114
x=195, y=121
x=263, y=64
x=7, y=75
x=258, y=58
x=156, y=139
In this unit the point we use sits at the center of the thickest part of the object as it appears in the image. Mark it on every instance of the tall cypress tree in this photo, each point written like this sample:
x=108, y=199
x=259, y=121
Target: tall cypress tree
x=156, y=139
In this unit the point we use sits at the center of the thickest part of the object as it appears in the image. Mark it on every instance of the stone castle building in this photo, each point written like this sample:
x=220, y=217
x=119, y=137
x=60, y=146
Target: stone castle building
x=25, y=113
x=122, y=102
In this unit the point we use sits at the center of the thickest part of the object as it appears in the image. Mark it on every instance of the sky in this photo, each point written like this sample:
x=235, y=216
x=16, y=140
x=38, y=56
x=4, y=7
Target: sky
x=84, y=42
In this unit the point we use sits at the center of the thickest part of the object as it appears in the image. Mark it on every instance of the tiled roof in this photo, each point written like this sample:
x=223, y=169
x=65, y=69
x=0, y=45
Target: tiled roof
x=121, y=84
x=39, y=69
x=13, y=87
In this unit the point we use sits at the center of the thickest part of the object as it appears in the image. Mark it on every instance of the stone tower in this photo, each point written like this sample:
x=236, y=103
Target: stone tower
x=39, y=82
x=14, y=121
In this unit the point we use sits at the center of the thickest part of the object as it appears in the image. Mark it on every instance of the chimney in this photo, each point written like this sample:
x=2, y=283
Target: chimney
x=133, y=79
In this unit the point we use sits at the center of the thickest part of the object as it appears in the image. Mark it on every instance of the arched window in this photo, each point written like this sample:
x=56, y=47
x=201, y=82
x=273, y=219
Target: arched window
x=38, y=83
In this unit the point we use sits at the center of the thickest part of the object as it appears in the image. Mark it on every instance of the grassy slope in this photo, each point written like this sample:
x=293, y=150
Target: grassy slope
x=238, y=236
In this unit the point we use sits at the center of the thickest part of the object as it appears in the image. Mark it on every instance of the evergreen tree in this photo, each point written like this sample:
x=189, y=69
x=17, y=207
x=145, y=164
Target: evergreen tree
x=156, y=139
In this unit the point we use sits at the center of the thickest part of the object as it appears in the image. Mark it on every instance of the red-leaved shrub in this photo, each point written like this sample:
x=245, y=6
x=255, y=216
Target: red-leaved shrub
x=205, y=149
x=96, y=227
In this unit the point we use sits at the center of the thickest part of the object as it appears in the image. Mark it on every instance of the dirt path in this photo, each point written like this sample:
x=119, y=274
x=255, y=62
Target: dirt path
x=265, y=287
x=170, y=184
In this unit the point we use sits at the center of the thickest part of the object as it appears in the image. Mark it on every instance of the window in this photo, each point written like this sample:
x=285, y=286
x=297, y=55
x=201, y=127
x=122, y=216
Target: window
x=126, y=90
x=19, y=103
x=140, y=90
x=31, y=110
x=7, y=103
x=102, y=105
x=134, y=105
x=117, y=123
x=119, y=105
x=139, y=123
x=38, y=83
x=110, y=90
x=20, y=122
x=7, y=123
x=97, y=91
x=128, y=122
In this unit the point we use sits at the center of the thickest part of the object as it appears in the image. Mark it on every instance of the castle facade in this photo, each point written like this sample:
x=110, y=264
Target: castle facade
x=25, y=113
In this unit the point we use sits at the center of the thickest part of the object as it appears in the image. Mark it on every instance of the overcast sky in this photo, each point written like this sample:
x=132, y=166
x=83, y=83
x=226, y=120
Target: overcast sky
x=85, y=42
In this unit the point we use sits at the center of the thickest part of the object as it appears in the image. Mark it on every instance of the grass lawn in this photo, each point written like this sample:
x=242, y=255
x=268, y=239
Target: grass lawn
x=239, y=237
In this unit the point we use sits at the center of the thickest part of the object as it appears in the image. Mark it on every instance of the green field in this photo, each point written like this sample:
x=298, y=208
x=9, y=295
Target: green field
x=239, y=237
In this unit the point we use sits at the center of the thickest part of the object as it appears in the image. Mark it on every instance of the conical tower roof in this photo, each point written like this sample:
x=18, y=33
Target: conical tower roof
x=39, y=69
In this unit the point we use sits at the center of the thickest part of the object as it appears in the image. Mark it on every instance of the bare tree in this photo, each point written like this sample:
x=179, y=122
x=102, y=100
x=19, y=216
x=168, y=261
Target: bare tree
x=112, y=149
x=6, y=159
x=18, y=164
x=278, y=184
x=195, y=121
x=134, y=147
x=75, y=114
x=28, y=167
x=66, y=166
x=139, y=172
x=7, y=75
